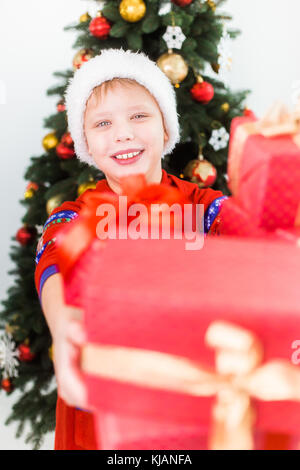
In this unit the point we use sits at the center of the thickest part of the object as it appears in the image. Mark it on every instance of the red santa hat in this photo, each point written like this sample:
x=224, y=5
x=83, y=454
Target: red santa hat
x=112, y=63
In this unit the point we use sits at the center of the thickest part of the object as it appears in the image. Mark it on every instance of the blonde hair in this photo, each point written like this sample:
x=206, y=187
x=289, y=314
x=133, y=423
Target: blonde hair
x=101, y=91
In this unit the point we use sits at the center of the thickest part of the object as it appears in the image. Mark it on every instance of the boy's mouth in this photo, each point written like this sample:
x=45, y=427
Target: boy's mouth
x=128, y=160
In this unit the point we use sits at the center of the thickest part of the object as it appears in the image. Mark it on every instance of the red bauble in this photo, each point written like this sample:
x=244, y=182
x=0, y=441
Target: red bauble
x=182, y=3
x=201, y=172
x=26, y=235
x=249, y=113
x=32, y=185
x=25, y=355
x=61, y=107
x=203, y=92
x=64, y=152
x=6, y=385
x=67, y=140
x=99, y=27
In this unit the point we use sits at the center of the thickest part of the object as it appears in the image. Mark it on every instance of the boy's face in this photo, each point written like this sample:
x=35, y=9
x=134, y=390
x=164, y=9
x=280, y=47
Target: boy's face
x=127, y=117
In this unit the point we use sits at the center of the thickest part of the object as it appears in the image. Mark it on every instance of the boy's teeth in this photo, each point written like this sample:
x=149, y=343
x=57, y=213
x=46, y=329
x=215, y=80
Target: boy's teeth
x=127, y=155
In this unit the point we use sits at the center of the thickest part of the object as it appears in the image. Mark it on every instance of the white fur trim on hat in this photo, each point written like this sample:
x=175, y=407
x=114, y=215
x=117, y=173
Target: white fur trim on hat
x=113, y=63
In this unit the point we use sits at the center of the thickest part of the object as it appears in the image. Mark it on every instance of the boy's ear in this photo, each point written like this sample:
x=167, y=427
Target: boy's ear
x=166, y=136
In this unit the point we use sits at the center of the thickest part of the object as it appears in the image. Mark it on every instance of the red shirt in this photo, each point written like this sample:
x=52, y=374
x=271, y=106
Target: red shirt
x=74, y=427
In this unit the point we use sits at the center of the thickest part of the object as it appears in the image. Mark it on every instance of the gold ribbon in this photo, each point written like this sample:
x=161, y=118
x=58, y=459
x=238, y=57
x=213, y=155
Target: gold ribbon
x=277, y=121
x=239, y=376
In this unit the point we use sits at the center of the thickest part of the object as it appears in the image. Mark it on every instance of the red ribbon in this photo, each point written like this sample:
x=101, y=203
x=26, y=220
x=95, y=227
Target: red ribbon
x=77, y=236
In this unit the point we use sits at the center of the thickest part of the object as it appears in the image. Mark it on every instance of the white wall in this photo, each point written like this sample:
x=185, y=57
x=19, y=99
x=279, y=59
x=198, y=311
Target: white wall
x=33, y=45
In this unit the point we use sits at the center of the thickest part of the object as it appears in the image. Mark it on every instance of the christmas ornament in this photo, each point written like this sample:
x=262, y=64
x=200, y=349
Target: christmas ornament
x=32, y=185
x=182, y=3
x=219, y=139
x=224, y=50
x=225, y=107
x=99, y=27
x=50, y=141
x=249, y=113
x=64, y=152
x=54, y=202
x=29, y=193
x=25, y=355
x=173, y=66
x=83, y=55
x=6, y=385
x=174, y=37
x=84, y=18
x=202, y=91
x=26, y=235
x=30, y=190
x=201, y=172
x=67, y=140
x=132, y=10
x=8, y=355
x=84, y=186
x=211, y=4
x=61, y=107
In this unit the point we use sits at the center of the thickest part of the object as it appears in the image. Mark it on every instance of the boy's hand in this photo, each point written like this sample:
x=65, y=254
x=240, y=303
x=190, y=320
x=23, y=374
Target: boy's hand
x=68, y=337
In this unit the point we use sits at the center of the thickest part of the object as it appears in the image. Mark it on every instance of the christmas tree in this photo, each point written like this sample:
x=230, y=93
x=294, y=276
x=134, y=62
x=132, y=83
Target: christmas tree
x=189, y=41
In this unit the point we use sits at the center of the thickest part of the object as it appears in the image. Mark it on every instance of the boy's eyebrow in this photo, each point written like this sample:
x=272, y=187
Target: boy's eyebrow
x=130, y=108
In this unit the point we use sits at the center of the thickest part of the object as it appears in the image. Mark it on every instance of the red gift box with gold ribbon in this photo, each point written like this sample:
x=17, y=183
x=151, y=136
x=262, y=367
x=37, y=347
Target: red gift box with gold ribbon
x=264, y=167
x=189, y=349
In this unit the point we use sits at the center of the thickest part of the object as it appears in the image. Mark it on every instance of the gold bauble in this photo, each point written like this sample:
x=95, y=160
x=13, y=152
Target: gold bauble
x=87, y=185
x=50, y=141
x=201, y=172
x=211, y=4
x=173, y=66
x=54, y=202
x=85, y=17
x=29, y=193
x=225, y=107
x=82, y=56
x=132, y=10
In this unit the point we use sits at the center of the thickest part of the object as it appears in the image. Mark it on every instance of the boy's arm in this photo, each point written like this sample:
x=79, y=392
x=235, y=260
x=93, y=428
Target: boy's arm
x=52, y=299
x=46, y=260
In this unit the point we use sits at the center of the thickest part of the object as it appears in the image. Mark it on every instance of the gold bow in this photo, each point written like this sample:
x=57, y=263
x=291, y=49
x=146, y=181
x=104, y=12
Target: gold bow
x=277, y=121
x=237, y=379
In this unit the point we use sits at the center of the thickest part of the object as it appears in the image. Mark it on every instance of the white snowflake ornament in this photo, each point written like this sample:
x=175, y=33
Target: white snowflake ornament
x=8, y=355
x=224, y=50
x=219, y=139
x=174, y=37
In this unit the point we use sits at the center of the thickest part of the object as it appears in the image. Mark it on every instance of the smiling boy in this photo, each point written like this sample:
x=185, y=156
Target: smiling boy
x=122, y=117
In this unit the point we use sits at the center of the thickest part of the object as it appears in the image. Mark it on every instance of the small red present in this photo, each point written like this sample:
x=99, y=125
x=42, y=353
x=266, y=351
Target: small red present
x=183, y=345
x=264, y=167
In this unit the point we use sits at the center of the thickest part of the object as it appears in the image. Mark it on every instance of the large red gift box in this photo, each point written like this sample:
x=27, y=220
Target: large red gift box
x=264, y=168
x=154, y=310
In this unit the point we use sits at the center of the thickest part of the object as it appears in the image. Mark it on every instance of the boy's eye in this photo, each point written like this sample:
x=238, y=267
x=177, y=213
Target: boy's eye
x=99, y=123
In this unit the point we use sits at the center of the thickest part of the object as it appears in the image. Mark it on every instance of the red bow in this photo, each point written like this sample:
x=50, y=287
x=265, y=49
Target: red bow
x=77, y=236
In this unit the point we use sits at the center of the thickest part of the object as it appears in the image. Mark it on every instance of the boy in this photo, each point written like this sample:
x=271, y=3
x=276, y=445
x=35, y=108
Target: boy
x=122, y=117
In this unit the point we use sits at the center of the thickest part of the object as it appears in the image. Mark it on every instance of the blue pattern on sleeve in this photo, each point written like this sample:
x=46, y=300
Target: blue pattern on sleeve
x=61, y=215
x=212, y=212
x=53, y=269
x=39, y=254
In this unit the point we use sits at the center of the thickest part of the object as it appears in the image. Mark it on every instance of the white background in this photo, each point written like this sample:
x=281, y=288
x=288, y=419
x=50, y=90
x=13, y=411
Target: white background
x=33, y=45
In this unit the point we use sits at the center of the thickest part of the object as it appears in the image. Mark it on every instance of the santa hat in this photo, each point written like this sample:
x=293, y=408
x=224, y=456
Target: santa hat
x=113, y=63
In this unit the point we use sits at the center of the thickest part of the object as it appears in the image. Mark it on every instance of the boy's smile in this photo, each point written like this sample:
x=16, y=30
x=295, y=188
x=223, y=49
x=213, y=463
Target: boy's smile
x=125, y=133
